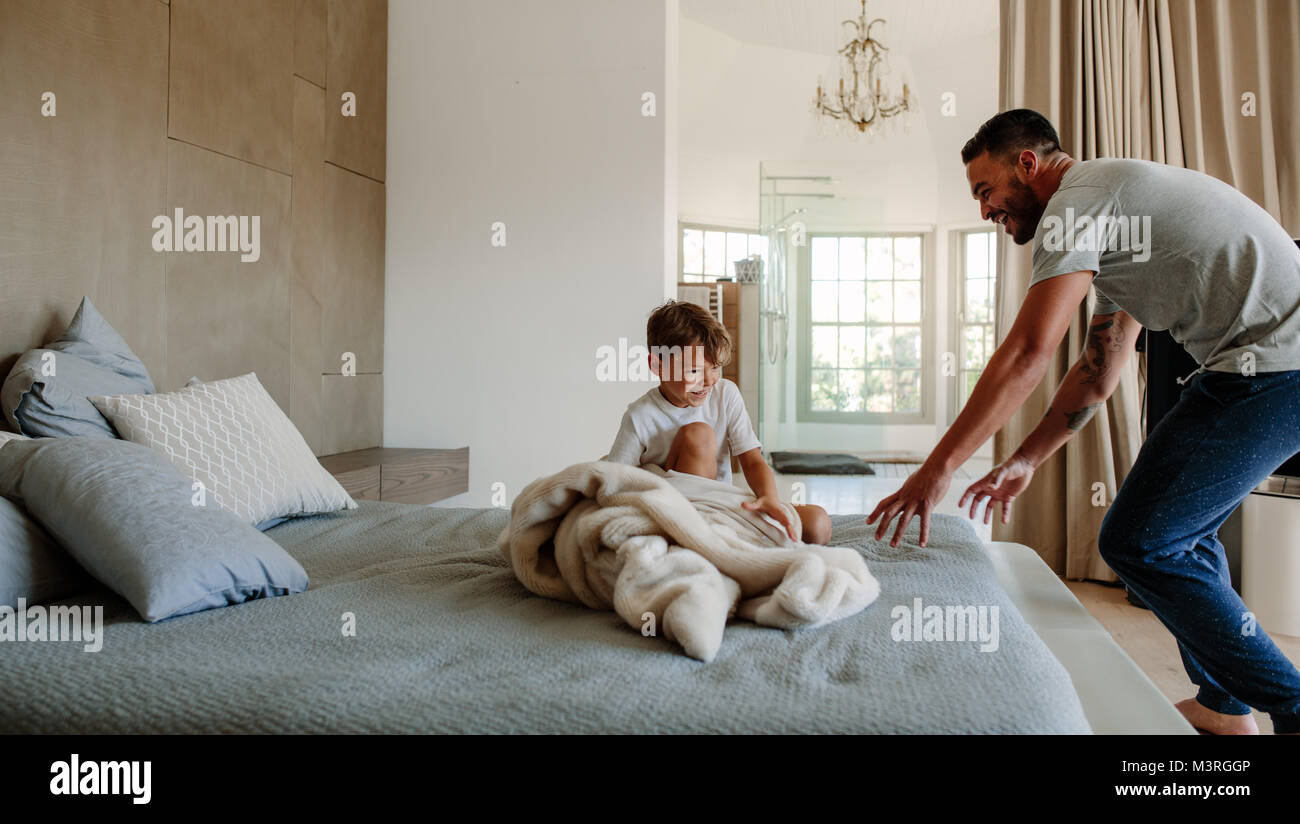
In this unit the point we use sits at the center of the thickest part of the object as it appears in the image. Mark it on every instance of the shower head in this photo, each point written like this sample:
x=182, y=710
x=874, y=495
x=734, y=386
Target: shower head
x=781, y=223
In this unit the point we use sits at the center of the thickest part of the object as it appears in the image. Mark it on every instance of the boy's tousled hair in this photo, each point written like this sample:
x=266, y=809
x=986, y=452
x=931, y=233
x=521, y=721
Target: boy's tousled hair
x=1006, y=135
x=681, y=324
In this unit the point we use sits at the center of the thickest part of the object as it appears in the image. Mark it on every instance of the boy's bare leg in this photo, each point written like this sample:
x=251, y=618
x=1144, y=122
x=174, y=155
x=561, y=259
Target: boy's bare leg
x=694, y=451
x=816, y=524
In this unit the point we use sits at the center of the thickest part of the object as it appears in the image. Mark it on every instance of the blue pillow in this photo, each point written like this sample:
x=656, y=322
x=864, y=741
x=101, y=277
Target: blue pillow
x=126, y=514
x=45, y=393
x=32, y=566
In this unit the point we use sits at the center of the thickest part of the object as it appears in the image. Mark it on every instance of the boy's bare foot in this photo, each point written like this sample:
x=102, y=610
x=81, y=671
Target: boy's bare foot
x=1207, y=720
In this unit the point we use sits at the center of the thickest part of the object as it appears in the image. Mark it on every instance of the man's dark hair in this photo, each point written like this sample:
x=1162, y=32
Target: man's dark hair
x=1010, y=133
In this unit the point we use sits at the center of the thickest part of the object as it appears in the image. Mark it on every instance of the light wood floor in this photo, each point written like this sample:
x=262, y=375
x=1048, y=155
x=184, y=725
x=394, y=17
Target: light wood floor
x=1150, y=645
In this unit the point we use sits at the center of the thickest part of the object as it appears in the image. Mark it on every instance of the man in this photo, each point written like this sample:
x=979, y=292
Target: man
x=1172, y=249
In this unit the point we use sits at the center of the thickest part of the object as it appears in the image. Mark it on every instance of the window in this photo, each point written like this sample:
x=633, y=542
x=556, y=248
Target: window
x=976, y=290
x=861, y=320
x=708, y=252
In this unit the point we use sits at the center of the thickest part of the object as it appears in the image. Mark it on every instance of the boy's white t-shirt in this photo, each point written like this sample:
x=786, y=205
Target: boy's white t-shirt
x=651, y=423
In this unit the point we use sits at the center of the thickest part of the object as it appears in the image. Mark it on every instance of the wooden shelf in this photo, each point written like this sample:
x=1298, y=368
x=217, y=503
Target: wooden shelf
x=412, y=476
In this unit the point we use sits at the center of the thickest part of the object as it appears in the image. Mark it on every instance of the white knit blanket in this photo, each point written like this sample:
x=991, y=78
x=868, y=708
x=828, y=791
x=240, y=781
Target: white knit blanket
x=675, y=554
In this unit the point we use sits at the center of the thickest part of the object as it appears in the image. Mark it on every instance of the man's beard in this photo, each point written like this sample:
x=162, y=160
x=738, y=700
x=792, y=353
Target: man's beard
x=1023, y=206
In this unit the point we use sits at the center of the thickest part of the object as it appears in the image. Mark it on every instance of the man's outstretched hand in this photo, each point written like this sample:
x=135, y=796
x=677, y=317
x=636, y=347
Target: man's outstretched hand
x=1003, y=483
x=919, y=495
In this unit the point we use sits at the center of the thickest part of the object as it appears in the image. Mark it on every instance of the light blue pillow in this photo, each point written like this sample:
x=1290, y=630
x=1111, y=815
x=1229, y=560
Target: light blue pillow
x=90, y=358
x=32, y=566
x=126, y=514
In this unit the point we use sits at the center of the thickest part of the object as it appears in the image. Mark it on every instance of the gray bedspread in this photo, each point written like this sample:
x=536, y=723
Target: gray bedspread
x=448, y=641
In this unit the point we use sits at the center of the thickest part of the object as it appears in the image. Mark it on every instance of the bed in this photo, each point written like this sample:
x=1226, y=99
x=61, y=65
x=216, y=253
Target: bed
x=1117, y=697
x=414, y=623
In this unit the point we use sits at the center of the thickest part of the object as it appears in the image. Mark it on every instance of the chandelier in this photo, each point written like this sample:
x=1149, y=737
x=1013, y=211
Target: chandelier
x=862, y=101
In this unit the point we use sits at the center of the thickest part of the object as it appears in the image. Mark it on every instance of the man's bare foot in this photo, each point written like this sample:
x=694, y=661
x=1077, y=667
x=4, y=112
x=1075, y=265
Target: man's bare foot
x=1207, y=720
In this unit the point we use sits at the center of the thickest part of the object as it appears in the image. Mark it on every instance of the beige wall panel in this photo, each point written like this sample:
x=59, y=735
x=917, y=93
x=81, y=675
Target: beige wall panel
x=232, y=78
x=352, y=286
x=226, y=317
x=80, y=189
x=357, y=50
x=308, y=184
x=353, y=412
x=307, y=219
x=304, y=371
x=309, y=40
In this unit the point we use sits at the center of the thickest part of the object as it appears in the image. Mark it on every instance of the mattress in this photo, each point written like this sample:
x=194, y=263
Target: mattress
x=1117, y=696
x=414, y=623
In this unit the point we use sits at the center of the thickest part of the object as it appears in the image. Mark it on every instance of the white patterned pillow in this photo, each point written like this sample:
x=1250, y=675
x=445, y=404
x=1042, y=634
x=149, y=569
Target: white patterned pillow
x=232, y=437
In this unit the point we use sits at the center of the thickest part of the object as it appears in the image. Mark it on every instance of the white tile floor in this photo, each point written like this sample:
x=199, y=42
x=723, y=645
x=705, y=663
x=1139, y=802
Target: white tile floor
x=859, y=494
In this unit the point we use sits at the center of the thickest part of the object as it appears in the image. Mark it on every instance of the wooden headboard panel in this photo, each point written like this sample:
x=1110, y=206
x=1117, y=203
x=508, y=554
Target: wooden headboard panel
x=217, y=109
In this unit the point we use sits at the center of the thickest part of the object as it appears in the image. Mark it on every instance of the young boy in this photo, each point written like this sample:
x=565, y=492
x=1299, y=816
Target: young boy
x=695, y=420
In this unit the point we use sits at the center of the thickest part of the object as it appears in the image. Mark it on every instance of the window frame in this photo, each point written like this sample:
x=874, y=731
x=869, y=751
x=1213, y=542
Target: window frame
x=804, y=412
x=683, y=225
x=957, y=288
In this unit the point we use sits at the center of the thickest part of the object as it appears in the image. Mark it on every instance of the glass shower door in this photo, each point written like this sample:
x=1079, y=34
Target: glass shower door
x=773, y=317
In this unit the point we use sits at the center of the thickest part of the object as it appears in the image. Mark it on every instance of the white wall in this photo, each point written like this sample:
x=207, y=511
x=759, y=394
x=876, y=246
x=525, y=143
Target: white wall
x=745, y=104
x=529, y=114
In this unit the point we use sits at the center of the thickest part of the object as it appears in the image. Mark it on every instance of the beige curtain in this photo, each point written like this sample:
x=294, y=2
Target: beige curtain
x=1160, y=80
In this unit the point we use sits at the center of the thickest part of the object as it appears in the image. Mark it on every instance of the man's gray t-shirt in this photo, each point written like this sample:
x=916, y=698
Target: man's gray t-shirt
x=1182, y=251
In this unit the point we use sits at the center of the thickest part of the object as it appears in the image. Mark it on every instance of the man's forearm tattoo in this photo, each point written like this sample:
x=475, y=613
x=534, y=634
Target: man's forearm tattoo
x=1103, y=338
x=1076, y=420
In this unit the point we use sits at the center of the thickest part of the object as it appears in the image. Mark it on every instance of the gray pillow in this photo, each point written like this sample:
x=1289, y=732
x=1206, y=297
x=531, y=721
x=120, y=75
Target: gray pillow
x=125, y=513
x=90, y=358
x=32, y=566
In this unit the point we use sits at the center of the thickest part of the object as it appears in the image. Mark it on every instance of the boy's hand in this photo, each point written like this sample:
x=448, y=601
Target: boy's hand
x=770, y=505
